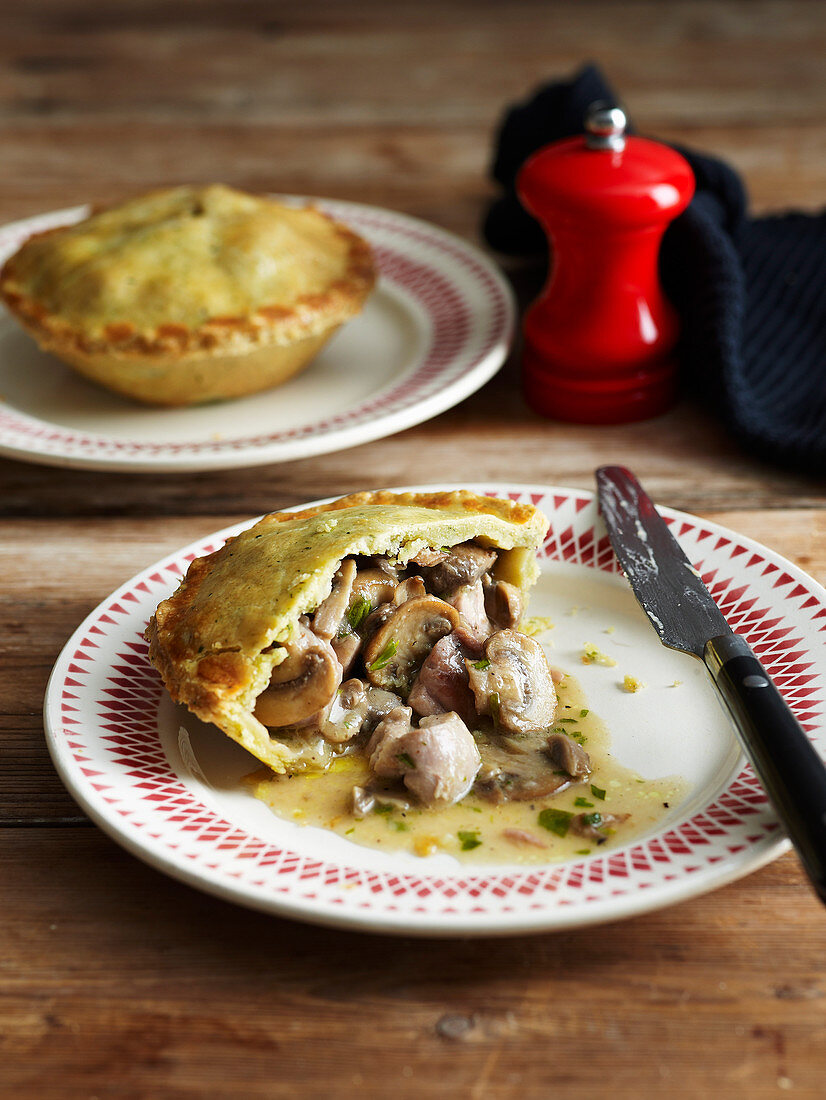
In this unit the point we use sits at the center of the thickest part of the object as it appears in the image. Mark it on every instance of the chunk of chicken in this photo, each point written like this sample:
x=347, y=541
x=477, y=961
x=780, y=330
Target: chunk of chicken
x=440, y=758
x=596, y=826
x=569, y=757
x=442, y=683
x=428, y=557
x=514, y=684
x=383, y=749
x=463, y=564
x=523, y=838
x=469, y=601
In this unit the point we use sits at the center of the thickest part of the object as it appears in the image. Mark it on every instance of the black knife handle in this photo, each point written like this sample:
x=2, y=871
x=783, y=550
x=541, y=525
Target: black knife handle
x=784, y=758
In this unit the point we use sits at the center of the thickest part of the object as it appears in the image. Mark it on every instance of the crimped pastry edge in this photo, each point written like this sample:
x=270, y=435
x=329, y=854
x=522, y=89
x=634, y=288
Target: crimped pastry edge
x=269, y=324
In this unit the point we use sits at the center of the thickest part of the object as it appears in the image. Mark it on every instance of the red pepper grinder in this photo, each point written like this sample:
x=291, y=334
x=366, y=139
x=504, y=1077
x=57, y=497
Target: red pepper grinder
x=599, y=340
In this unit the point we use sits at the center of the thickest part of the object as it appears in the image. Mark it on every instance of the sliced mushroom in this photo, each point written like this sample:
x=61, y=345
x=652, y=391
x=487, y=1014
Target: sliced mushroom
x=346, y=648
x=464, y=564
x=364, y=802
x=567, y=756
x=380, y=703
x=357, y=708
x=352, y=693
x=389, y=566
x=376, y=619
x=346, y=714
x=303, y=685
x=327, y=619
x=513, y=684
x=410, y=589
x=397, y=649
x=513, y=774
x=503, y=603
x=373, y=585
x=368, y=799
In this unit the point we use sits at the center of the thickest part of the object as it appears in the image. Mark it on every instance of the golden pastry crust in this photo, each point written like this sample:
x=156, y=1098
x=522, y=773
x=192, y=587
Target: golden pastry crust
x=189, y=294
x=216, y=641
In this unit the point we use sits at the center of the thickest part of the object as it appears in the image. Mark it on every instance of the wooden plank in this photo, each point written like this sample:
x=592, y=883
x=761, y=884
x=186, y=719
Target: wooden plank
x=685, y=458
x=138, y=986
x=245, y=61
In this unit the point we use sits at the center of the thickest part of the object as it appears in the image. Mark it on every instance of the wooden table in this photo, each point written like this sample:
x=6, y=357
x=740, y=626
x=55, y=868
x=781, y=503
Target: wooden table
x=117, y=981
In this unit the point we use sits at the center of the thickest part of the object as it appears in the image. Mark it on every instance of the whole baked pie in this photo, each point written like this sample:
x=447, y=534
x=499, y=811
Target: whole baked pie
x=191, y=294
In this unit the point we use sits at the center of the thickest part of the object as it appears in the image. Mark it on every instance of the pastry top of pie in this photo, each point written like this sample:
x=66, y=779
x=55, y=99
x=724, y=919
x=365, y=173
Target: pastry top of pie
x=189, y=268
x=238, y=612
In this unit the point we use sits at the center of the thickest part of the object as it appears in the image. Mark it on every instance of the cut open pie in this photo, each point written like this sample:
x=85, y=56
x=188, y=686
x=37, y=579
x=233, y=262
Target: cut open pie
x=191, y=294
x=383, y=624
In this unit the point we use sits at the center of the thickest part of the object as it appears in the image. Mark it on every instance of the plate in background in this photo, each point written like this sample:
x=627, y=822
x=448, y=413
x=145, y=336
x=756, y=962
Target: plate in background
x=174, y=799
x=437, y=326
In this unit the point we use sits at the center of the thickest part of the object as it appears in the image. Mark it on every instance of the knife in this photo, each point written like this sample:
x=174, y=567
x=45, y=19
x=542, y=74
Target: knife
x=685, y=616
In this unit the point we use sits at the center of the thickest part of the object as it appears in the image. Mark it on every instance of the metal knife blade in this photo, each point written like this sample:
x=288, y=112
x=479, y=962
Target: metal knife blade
x=665, y=582
x=686, y=617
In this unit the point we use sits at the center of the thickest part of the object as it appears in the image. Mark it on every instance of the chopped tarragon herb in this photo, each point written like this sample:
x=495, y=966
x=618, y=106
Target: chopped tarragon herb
x=406, y=759
x=556, y=821
x=399, y=826
x=594, y=819
x=598, y=792
x=358, y=612
x=385, y=657
x=493, y=706
x=583, y=713
x=469, y=839
x=383, y=808
x=348, y=831
x=582, y=852
x=582, y=802
x=481, y=665
x=567, y=720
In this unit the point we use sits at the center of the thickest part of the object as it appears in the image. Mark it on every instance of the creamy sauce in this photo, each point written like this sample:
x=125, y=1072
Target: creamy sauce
x=474, y=830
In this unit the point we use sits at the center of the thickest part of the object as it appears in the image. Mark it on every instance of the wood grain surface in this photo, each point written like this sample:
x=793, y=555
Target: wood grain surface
x=118, y=982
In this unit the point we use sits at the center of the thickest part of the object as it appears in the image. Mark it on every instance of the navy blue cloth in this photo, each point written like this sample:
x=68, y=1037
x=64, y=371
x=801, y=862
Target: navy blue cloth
x=751, y=292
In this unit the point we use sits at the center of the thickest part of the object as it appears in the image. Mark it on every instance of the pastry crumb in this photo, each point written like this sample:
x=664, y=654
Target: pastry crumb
x=591, y=655
x=632, y=684
x=536, y=624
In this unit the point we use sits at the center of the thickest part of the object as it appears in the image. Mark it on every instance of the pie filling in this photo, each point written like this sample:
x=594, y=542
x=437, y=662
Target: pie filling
x=421, y=670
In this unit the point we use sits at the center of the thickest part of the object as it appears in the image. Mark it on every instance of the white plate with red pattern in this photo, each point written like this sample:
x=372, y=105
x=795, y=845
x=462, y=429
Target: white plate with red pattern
x=168, y=788
x=438, y=325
